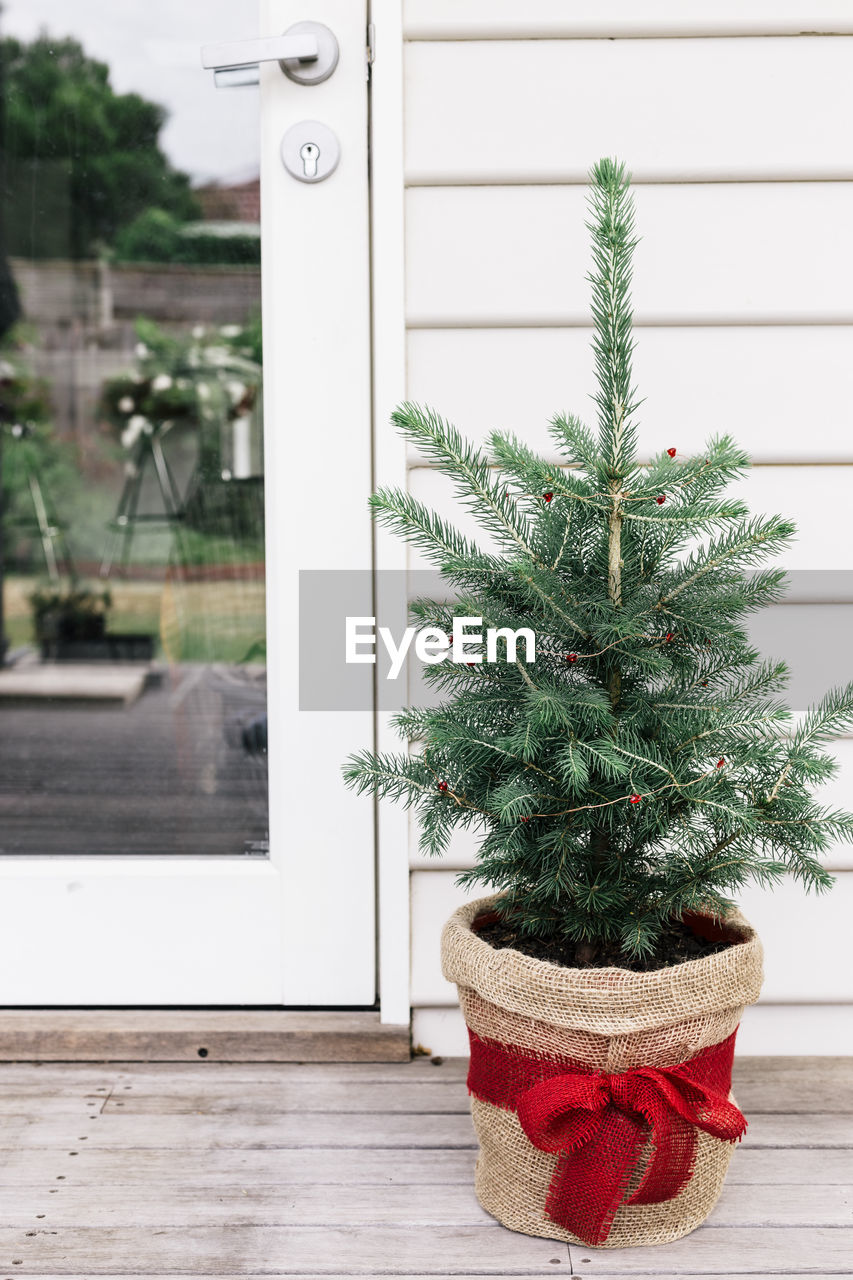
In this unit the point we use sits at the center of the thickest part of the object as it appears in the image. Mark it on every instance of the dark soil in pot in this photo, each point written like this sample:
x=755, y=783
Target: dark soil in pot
x=687, y=939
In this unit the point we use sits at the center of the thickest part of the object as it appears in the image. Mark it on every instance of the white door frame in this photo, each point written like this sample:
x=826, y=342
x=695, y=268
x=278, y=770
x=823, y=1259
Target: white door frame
x=316, y=241
x=387, y=184
x=298, y=929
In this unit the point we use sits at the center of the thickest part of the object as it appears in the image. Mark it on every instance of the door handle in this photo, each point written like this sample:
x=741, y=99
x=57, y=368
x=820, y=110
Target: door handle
x=307, y=53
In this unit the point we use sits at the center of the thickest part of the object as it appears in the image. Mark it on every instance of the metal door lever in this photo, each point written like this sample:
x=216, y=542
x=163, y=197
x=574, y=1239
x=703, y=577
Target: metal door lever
x=306, y=53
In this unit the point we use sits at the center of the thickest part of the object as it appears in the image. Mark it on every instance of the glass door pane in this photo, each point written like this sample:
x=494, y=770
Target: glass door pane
x=133, y=693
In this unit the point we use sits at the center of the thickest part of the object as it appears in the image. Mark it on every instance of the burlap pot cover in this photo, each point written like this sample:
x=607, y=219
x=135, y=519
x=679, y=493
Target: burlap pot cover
x=540, y=1017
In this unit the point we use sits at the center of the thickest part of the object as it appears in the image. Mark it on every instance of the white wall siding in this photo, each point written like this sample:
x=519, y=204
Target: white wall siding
x=817, y=498
x=710, y=253
x=806, y=937
x=734, y=119
x=765, y=1029
x=781, y=390
x=544, y=19
x=837, y=793
x=694, y=110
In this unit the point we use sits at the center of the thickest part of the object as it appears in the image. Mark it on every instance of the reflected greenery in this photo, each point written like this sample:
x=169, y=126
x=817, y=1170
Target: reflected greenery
x=81, y=160
x=158, y=236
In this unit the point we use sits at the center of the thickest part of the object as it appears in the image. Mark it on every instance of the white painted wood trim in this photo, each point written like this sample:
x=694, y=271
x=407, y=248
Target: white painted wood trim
x=518, y=112
x=517, y=257
x=317, y=357
x=124, y=931
x=766, y=385
x=577, y=19
x=825, y=1029
x=806, y=937
x=389, y=388
x=816, y=498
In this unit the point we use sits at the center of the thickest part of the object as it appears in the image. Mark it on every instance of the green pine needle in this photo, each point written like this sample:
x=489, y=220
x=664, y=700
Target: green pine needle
x=644, y=765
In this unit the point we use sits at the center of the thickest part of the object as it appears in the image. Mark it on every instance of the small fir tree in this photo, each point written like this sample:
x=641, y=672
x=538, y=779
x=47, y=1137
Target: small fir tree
x=643, y=766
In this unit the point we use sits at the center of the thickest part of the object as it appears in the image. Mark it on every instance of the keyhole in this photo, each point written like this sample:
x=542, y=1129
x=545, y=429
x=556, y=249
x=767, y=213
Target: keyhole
x=309, y=154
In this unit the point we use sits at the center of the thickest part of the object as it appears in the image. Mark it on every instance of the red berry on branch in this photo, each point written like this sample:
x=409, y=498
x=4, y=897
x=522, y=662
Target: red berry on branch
x=721, y=762
x=525, y=819
x=571, y=657
x=660, y=499
x=635, y=799
x=670, y=635
x=547, y=496
x=442, y=786
x=671, y=452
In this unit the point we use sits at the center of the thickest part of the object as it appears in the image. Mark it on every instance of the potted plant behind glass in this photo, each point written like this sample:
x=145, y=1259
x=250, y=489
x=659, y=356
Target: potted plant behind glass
x=626, y=783
x=69, y=622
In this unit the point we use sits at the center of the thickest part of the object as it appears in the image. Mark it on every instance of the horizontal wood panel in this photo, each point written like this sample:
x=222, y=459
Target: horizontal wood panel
x=813, y=640
x=222, y=1168
x=838, y=793
x=781, y=391
x=806, y=939
x=33, y=1077
x=137, y=1204
x=417, y=1251
x=811, y=632
x=816, y=498
x=519, y=111
x=330, y=1251
x=102, y=1035
x=767, y=1253
x=765, y=1029
x=479, y=257
x=270, y=1098
x=424, y=1085
x=765, y=1084
x=371, y=1129
x=292, y=1130
x=540, y=19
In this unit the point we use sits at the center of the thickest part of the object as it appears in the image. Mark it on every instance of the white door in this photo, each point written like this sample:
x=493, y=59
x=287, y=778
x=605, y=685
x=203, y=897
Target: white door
x=147, y=855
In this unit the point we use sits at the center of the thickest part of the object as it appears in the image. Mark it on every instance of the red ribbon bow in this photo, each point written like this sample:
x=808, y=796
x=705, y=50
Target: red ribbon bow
x=599, y=1124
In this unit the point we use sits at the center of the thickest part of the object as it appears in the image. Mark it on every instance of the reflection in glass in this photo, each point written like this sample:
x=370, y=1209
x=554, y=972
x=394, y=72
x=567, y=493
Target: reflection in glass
x=133, y=691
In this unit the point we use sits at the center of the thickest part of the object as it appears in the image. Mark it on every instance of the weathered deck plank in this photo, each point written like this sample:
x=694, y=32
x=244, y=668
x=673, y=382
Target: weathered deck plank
x=325, y=1250
x=768, y=1251
x=174, y=1035
x=141, y=1203
x=375, y=1128
x=799, y=1084
x=309, y=1170
x=374, y=1250
x=218, y=1167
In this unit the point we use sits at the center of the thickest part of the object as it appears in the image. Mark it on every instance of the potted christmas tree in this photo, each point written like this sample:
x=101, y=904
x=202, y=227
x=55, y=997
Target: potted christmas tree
x=626, y=784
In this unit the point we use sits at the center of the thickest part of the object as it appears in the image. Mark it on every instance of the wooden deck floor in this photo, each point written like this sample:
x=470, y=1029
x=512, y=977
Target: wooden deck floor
x=365, y=1170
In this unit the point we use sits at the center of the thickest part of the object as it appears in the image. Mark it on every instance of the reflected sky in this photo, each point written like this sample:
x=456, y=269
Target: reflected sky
x=152, y=48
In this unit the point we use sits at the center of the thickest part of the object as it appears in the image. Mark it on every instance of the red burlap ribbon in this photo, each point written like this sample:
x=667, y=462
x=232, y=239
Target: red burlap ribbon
x=599, y=1124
